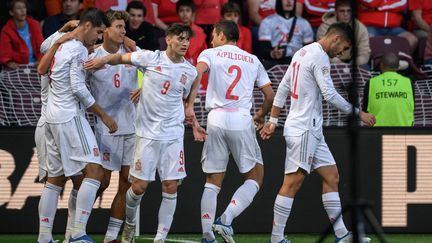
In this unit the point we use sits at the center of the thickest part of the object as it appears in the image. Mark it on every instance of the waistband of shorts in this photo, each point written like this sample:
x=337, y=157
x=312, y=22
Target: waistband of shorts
x=230, y=109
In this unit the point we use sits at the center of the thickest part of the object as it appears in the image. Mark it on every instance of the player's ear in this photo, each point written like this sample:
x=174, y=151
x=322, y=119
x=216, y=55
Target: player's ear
x=87, y=25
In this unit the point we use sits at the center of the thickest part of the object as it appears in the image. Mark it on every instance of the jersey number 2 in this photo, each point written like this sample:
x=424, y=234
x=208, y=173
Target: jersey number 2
x=228, y=94
x=294, y=78
x=117, y=80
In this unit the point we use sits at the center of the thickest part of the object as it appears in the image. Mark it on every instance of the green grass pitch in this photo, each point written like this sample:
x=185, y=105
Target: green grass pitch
x=240, y=238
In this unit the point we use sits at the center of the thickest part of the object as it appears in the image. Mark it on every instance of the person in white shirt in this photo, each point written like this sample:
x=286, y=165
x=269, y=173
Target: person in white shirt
x=111, y=87
x=307, y=81
x=159, y=128
x=233, y=75
x=71, y=145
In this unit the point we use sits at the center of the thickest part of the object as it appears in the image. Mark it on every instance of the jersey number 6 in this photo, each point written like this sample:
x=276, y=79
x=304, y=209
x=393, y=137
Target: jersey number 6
x=117, y=80
x=228, y=94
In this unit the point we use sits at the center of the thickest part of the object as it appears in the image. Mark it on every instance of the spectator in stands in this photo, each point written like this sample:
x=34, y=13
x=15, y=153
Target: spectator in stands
x=260, y=9
x=207, y=14
x=20, y=38
x=231, y=11
x=70, y=11
x=390, y=96
x=142, y=32
x=165, y=13
x=197, y=43
x=282, y=34
x=54, y=7
x=428, y=49
x=313, y=10
x=121, y=5
x=343, y=13
x=422, y=16
x=385, y=18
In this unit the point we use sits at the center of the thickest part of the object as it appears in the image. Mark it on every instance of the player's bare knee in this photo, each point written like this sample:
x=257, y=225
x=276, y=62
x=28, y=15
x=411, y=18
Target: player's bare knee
x=215, y=178
x=256, y=174
x=169, y=186
x=57, y=181
x=139, y=186
x=94, y=171
x=124, y=184
x=332, y=181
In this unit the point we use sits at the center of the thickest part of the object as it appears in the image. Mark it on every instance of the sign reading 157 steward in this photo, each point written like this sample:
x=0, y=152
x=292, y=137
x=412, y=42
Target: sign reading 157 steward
x=395, y=173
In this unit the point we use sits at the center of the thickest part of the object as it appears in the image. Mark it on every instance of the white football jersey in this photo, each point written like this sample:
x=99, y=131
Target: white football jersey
x=46, y=45
x=307, y=81
x=233, y=74
x=68, y=95
x=275, y=29
x=160, y=112
x=111, y=87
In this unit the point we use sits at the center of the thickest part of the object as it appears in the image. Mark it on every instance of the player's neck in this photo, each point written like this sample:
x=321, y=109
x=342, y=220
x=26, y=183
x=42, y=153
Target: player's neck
x=110, y=46
x=325, y=46
x=79, y=34
x=175, y=58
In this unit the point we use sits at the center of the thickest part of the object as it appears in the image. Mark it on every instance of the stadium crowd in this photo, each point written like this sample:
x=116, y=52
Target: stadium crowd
x=271, y=29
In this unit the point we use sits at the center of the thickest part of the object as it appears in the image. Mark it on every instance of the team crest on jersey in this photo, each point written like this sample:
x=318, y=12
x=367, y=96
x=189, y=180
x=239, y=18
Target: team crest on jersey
x=325, y=70
x=106, y=156
x=138, y=165
x=302, y=52
x=95, y=151
x=183, y=79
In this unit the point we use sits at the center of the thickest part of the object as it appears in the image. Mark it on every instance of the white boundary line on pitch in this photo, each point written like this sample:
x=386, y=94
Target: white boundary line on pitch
x=171, y=240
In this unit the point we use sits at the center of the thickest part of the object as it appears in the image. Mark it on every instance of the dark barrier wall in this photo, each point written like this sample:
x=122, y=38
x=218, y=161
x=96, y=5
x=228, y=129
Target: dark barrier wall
x=395, y=172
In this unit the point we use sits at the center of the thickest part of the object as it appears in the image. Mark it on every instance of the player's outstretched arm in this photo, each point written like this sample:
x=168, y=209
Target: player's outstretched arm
x=46, y=60
x=190, y=101
x=112, y=59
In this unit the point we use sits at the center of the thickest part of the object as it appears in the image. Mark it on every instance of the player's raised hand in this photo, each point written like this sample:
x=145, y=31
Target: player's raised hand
x=95, y=64
x=267, y=131
x=69, y=26
x=129, y=44
x=367, y=118
x=135, y=96
x=110, y=123
x=65, y=37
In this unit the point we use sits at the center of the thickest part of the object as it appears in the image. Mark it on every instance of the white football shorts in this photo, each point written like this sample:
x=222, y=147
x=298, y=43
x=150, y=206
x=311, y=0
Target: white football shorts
x=115, y=150
x=307, y=152
x=70, y=146
x=167, y=157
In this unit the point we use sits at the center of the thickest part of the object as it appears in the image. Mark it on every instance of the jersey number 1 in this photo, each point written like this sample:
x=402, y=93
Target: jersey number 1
x=294, y=78
x=228, y=94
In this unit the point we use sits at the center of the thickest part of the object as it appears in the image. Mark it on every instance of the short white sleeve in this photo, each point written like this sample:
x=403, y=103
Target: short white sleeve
x=142, y=58
x=265, y=30
x=262, y=77
x=205, y=57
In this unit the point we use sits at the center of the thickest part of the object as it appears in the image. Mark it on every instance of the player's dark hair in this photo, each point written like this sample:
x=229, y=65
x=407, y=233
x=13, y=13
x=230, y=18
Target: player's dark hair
x=116, y=15
x=342, y=29
x=185, y=3
x=340, y=3
x=230, y=7
x=178, y=29
x=96, y=17
x=137, y=5
x=228, y=28
x=11, y=4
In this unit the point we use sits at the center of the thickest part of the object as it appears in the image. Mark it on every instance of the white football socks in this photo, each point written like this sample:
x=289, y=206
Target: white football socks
x=241, y=199
x=71, y=213
x=114, y=226
x=47, y=210
x=85, y=199
x=208, y=210
x=132, y=203
x=332, y=205
x=166, y=214
x=281, y=212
